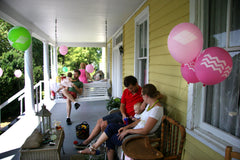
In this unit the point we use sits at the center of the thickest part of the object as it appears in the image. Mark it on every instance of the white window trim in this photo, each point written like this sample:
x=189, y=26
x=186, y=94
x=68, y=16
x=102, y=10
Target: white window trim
x=144, y=15
x=195, y=96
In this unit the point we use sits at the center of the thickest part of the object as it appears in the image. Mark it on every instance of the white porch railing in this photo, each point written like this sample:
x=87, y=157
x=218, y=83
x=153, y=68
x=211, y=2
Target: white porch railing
x=38, y=90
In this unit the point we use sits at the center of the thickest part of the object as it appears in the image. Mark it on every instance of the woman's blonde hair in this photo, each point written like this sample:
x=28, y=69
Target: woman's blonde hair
x=82, y=65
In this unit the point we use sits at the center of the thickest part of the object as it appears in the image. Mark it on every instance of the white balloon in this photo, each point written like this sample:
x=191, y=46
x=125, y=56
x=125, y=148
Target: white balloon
x=18, y=73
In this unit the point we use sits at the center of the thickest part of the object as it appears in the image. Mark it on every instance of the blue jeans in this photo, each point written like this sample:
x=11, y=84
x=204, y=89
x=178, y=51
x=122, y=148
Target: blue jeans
x=112, y=131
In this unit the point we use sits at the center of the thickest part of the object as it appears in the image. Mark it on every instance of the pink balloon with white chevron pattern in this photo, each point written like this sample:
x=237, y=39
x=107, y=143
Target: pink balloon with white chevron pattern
x=188, y=72
x=213, y=65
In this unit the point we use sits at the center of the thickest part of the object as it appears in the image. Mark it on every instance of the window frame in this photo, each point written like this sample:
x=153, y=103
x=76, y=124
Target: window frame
x=205, y=133
x=142, y=17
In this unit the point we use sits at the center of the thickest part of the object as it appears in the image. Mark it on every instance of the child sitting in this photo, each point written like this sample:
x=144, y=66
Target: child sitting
x=67, y=82
x=137, y=110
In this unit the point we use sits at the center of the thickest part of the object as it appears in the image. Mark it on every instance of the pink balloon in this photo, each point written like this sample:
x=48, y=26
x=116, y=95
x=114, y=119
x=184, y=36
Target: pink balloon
x=63, y=50
x=89, y=68
x=188, y=72
x=18, y=73
x=213, y=65
x=185, y=42
x=1, y=72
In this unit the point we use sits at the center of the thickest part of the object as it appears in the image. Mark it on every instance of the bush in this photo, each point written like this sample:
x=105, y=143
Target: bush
x=113, y=103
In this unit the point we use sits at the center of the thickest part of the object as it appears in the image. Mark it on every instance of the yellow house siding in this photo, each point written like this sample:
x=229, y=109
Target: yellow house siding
x=128, y=44
x=164, y=71
x=199, y=151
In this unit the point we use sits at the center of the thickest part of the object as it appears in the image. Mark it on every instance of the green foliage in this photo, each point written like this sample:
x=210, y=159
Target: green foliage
x=77, y=55
x=4, y=44
x=9, y=83
x=10, y=60
x=113, y=103
x=37, y=53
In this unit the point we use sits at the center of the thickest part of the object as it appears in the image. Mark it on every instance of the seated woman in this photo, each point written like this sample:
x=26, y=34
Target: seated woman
x=149, y=122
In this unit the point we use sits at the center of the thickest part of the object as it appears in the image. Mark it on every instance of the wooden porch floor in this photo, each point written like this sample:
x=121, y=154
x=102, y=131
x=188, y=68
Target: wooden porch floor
x=88, y=111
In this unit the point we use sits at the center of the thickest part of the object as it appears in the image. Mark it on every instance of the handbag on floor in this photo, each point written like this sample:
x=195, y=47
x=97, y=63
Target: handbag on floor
x=82, y=130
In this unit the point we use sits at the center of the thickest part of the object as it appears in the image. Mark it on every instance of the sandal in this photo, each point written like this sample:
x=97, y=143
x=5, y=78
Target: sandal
x=91, y=149
x=80, y=145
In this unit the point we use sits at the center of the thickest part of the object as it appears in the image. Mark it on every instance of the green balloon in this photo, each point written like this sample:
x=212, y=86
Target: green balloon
x=19, y=38
x=65, y=69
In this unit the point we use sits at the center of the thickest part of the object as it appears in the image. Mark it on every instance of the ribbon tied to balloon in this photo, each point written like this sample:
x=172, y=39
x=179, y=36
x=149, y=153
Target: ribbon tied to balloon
x=211, y=66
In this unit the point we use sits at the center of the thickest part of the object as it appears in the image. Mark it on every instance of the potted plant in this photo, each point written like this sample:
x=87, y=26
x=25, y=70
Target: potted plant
x=113, y=103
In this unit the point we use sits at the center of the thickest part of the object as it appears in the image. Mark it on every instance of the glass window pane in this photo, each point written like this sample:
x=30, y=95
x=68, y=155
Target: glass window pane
x=141, y=40
x=217, y=23
x=235, y=24
x=142, y=71
x=145, y=36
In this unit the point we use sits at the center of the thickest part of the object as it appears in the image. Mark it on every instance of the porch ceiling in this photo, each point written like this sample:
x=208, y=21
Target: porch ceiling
x=79, y=22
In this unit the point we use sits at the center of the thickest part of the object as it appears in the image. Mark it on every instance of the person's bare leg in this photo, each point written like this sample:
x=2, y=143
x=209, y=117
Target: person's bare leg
x=100, y=141
x=110, y=154
x=104, y=125
x=68, y=95
x=69, y=107
x=96, y=130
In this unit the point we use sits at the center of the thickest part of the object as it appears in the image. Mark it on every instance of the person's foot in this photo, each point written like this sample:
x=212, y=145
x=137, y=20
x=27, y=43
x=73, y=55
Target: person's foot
x=90, y=150
x=76, y=105
x=69, y=122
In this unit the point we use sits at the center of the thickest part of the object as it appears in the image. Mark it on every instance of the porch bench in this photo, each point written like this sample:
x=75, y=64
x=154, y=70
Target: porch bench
x=94, y=91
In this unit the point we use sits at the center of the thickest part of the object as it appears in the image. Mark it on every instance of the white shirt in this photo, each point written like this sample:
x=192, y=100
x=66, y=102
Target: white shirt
x=156, y=113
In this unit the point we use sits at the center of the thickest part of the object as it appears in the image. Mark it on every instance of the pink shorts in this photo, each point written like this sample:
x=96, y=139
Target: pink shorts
x=72, y=93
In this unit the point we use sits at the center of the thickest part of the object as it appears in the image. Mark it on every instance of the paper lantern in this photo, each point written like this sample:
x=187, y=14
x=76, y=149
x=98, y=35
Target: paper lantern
x=185, y=42
x=63, y=50
x=1, y=72
x=89, y=68
x=65, y=69
x=19, y=38
x=18, y=73
x=213, y=65
x=188, y=72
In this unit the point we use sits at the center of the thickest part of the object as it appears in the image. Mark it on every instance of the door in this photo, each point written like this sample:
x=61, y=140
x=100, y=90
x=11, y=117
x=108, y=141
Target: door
x=116, y=73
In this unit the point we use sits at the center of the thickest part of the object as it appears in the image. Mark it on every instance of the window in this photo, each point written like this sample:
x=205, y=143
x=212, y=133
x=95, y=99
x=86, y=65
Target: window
x=141, y=47
x=218, y=104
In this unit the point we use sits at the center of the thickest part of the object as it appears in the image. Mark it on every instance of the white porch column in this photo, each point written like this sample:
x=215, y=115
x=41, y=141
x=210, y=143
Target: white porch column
x=29, y=91
x=102, y=65
x=46, y=72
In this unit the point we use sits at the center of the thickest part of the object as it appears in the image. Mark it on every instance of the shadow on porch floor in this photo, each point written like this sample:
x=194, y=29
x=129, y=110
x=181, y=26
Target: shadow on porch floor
x=88, y=111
